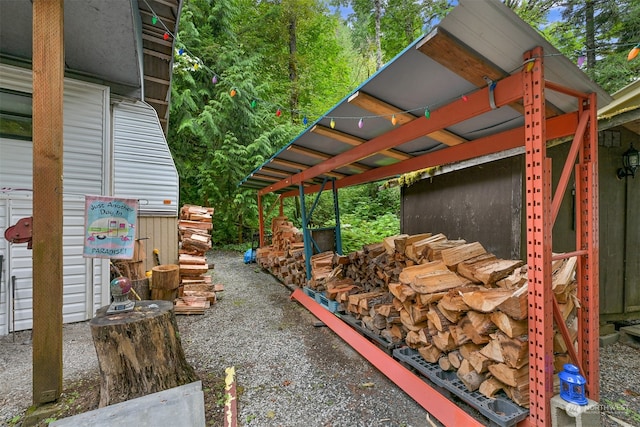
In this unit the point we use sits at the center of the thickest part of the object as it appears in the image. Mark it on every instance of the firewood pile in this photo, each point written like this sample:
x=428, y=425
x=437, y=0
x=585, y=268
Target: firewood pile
x=452, y=301
x=284, y=258
x=196, y=292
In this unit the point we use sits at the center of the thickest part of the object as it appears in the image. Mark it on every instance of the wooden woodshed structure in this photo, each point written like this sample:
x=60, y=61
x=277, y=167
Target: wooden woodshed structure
x=482, y=83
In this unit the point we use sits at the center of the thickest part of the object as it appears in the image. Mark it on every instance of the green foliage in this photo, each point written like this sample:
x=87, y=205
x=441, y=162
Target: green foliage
x=296, y=56
x=357, y=231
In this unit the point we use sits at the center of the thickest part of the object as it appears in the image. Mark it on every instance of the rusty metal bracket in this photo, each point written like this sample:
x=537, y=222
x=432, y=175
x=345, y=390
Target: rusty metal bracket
x=21, y=232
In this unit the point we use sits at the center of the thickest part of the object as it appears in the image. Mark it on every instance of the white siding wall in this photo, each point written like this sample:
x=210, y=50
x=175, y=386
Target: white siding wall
x=86, y=137
x=143, y=165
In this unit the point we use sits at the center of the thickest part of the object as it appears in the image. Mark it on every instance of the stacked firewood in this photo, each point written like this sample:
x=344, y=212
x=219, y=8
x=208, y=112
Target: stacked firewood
x=196, y=291
x=461, y=307
x=455, y=303
x=284, y=258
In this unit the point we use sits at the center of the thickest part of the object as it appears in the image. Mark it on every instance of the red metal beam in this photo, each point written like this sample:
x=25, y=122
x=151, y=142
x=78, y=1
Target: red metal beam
x=567, y=91
x=566, y=255
x=506, y=91
x=431, y=400
x=566, y=336
x=557, y=127
x=587, y=237
x=569, y=165
x=539, y=242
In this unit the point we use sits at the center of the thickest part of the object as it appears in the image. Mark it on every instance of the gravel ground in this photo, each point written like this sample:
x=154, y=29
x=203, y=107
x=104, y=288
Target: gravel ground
x=289, y=372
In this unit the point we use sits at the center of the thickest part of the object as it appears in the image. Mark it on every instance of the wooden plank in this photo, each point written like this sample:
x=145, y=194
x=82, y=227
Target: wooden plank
x=48, y=141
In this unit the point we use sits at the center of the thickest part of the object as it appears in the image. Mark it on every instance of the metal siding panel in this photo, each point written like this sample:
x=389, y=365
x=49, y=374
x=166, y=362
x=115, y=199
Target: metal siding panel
x=143, y=165
x=84, y=137
x=20, y=266
x=4, y=281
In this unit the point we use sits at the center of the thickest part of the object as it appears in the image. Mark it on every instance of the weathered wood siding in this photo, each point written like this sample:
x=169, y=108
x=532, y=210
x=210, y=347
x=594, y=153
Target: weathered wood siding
x=161, y=233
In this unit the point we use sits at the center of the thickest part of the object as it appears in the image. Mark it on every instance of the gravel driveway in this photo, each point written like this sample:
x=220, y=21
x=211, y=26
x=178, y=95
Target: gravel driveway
x=289, y=372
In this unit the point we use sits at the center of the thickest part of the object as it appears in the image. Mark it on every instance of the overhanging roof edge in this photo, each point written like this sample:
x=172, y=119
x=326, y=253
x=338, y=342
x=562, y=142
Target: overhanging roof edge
x=336, y=105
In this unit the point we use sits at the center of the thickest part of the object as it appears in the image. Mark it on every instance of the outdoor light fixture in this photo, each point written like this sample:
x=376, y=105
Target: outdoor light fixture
x=631, y=161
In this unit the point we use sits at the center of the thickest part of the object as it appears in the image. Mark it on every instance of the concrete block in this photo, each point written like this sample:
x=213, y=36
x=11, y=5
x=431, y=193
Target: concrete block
x=630, y=335
x=567, y=414
x=607, y=329
x=609, y=339
x=178, y=406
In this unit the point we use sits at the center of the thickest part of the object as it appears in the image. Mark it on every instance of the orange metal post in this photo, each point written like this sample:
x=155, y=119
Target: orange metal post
x=587, y=239
x=539, y=243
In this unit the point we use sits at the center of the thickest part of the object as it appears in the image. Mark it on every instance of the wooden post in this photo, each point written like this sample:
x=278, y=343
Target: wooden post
x=48, y=75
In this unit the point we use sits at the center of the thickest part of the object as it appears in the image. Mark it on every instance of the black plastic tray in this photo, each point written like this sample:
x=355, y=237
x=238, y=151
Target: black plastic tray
x=500, y=411
x=357, y=325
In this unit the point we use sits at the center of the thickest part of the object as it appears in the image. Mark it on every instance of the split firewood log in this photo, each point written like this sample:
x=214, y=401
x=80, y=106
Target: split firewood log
x=469, y=376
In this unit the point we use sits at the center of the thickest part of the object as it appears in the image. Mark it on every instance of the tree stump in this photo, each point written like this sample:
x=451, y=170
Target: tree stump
x=139, y=352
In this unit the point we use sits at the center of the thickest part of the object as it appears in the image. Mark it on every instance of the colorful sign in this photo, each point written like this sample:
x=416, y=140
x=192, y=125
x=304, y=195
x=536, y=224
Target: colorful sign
x=109, y=227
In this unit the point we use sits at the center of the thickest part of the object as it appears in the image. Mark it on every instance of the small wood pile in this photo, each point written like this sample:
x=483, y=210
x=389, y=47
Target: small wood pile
x=284, y=258
x=196, y=292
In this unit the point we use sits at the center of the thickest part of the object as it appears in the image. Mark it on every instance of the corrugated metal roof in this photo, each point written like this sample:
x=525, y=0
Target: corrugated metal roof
x=478, y=43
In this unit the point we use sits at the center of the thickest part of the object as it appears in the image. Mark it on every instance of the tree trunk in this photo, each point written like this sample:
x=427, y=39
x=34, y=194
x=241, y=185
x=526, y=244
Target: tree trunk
x=139, y=352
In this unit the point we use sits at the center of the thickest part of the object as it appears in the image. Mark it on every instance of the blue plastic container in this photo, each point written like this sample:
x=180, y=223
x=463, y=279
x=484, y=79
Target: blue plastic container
x=572, y=385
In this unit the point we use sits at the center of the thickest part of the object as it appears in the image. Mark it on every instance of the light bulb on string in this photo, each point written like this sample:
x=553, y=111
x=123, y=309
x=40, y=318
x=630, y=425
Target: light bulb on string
x=196, y=66
x=530, y=65
x=278, y=113
x=253, y=103
x=634, y=52
x=305, y=120
x=180, y=51
x=154, y=20
x=332, y=124
x=233, y=93
x=214, y=79
x=166, y=36
x=465, y=98
x=360, y=123
x=394, y=121
x=427, y=113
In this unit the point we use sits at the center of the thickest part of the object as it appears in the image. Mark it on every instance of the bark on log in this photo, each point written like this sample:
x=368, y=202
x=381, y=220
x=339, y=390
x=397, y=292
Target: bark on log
x=139, y=352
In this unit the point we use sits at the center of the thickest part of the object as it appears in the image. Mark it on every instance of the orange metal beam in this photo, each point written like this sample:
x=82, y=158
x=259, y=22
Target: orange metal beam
x=557, y=127
x=507, y=90
x=587, y=237
x=539, y=242
x=431, y=400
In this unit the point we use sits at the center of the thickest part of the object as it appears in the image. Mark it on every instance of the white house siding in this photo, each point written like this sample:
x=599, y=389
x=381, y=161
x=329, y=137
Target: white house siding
x=143, y=165
x=86, y=137
x=144, y=170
